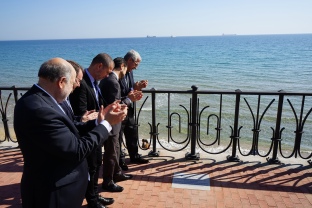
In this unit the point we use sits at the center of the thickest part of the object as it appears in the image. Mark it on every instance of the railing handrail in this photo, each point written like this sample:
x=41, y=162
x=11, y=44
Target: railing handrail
x=238, y=91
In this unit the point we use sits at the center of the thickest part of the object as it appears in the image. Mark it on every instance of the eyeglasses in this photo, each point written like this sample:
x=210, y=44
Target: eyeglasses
x=136, y=62
x=77, y=80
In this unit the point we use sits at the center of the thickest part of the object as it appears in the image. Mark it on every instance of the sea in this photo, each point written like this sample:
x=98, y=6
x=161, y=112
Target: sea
x=246, y=62
x=225, y=62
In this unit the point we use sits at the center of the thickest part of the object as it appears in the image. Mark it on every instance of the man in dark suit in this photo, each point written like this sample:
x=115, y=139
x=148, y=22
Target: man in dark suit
x=129, y=127
x=55, y=170
x=110, y=89
x=79, y=120
x=88, y=115
x=85, y=98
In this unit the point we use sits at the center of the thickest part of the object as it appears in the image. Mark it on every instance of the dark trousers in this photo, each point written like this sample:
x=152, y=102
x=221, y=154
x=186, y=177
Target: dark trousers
x=94, y=163
x=129, y=130
x=111, y=158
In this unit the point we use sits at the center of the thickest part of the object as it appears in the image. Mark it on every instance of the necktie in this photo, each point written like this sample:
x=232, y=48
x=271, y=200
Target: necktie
x=129, y=85
x=128, y=80
x=97, y=92
x=99, y=96
x=67, y=109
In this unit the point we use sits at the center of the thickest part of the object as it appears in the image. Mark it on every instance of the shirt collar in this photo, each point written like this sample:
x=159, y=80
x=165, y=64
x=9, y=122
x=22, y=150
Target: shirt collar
x=89, y=75
x=50, y=96
x=47, y=93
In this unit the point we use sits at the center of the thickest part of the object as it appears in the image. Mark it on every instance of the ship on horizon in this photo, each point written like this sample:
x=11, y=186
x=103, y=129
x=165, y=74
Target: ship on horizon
x=224, y=34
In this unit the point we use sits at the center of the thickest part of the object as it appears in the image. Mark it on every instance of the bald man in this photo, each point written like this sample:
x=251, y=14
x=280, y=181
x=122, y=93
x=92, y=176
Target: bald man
x=55, y=170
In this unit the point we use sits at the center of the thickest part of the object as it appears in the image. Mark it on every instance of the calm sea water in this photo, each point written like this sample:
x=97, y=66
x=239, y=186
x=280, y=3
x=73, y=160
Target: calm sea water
x=268, y=62
x=258, y=63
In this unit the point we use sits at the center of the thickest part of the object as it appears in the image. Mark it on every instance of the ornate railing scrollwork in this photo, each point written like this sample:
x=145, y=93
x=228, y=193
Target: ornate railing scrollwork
x=204, y=129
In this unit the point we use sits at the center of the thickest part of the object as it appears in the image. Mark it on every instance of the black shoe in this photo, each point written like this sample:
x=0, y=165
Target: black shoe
x=138, y=160
x=123, y=166
x=105, y=201
x=97, y=205
x=122, y=177
x=112, y=187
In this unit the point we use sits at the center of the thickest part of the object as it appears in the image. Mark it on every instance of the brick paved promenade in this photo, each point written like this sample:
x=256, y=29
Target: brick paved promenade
x=232, y=184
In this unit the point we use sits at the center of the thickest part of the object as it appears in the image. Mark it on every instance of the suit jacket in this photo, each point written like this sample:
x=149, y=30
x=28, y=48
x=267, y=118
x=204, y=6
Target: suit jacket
x=126, y=85
x=110, y=90
x=83, y=98
x=55, y=170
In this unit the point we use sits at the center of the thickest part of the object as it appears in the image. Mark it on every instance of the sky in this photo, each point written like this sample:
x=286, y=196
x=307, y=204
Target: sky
x=75, y=19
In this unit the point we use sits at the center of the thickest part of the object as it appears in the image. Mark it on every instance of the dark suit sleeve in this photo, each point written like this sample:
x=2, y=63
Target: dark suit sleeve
x=57, y=136
x=43, y=129
x=124, y=90
x=78, y=118
x=110, y=90
x=78, y=99
x=126, y=101
x=84, y=127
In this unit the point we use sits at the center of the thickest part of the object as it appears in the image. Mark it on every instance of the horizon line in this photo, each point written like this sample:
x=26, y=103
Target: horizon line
x=169, y=36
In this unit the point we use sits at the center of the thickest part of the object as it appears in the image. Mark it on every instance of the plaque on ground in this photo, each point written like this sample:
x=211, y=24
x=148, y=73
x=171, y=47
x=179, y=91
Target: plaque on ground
x=191, y=181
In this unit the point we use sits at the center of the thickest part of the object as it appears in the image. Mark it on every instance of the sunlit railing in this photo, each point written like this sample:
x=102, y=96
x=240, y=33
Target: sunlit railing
x=264, y=124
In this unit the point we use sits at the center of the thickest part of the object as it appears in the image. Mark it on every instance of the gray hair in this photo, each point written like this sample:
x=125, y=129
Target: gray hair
x=53, y=71
x=134, y=55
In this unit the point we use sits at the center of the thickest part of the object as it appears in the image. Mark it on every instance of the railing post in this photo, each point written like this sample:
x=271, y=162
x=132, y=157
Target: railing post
x=193, y=126
x=154, y=133
x=277, y=132
x=235, y=133
x=15, y=93
x=299, y=130
x=5, y=120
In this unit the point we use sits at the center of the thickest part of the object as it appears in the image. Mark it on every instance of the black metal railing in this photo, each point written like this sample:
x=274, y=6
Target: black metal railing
x=213, y=122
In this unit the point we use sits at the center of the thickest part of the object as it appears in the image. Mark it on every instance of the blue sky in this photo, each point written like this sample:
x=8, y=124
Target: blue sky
x=40, y=19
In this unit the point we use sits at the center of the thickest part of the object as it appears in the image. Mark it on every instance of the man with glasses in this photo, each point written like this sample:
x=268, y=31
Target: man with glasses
x=129, y=127
x=110, y=89
x=88, y=115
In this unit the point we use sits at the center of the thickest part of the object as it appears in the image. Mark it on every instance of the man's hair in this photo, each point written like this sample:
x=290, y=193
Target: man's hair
x=103, y=58
x=54, y=71
x=76, y=66
x=119, y=61
x=134, y=55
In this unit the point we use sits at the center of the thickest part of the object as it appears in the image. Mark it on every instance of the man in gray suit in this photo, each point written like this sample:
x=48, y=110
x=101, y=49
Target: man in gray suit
x=111, y=92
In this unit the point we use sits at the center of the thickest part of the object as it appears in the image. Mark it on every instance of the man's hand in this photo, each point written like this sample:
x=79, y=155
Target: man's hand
x=124, y=108
x=140, y=85
x=135, y=95
x=89, y=115
x=113, y=113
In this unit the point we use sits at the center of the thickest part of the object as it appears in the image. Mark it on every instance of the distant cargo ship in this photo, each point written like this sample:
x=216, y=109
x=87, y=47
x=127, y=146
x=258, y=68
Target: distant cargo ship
x=151, y=36
x=228, y=34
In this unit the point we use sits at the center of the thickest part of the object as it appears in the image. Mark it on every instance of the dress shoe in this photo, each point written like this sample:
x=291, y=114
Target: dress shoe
x=122, y=177
x=97, y=205
x=112, y=187
x=105, y=201
x=123, y=166
x=138, y=160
